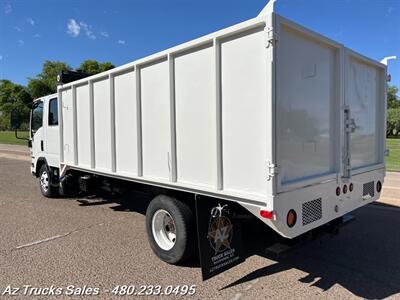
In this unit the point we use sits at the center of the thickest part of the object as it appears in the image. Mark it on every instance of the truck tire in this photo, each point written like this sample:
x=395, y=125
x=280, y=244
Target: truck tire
x=47, y=189
x=170, y=229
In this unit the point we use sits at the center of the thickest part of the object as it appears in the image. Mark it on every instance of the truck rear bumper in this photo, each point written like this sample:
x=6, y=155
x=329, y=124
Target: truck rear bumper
x=333, y=227
x=319, y=204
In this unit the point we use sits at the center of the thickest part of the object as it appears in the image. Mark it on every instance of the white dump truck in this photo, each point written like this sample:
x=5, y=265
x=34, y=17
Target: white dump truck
x=265, y=115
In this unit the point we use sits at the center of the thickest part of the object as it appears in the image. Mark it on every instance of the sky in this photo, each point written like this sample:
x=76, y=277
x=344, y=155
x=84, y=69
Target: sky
x=122, y=31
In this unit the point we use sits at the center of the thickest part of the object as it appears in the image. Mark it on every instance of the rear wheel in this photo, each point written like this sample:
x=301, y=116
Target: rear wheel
x=47, y=189
x=170, y=229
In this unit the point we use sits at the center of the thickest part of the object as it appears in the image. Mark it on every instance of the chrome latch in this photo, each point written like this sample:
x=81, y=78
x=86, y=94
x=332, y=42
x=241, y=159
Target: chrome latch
x=351, y=125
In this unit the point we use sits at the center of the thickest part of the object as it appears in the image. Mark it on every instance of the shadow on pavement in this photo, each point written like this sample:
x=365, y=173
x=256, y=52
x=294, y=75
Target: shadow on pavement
x=364, y=258
x=133, y=201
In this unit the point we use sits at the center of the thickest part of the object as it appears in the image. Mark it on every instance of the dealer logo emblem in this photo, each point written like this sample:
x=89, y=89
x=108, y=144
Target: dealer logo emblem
x=220, y=231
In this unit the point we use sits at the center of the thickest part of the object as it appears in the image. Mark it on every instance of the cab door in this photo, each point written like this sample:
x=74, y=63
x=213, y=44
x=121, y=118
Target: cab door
x=51, y=132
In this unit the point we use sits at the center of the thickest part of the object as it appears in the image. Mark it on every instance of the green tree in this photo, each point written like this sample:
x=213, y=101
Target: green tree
x=46, y=82
x=38, y=88
x=13, y=97
x=393, y=100
x=393, y=122
x=93, y=67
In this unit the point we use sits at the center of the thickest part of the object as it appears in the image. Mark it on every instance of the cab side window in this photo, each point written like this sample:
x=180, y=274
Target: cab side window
x=37, y=116
x=53, y=112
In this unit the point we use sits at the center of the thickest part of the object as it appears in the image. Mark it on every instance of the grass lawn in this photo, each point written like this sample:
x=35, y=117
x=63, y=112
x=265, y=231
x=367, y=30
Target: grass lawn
x=8, y=137
x=393, y=160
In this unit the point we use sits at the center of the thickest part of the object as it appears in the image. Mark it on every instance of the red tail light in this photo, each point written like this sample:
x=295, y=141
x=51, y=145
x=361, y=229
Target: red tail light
x=266, y=214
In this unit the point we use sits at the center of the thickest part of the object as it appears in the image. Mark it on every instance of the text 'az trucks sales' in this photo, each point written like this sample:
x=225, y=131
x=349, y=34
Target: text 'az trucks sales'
x=265, y=118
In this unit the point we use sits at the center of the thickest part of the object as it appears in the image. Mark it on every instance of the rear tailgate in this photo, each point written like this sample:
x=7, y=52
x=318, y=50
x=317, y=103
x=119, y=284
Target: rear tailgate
x=365, y=98
x=321, y=85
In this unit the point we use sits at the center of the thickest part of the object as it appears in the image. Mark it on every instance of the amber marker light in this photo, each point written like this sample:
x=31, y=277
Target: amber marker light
x=291, y=218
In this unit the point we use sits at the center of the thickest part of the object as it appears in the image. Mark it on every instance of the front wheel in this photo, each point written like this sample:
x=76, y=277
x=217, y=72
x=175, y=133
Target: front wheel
x=47, y=189
x=170, y=229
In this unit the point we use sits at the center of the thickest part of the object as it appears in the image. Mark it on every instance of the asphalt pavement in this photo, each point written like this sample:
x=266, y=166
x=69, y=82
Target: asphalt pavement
x=98, y=244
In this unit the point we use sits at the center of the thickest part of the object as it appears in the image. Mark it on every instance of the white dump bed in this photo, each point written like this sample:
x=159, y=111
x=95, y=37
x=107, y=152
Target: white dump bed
x=245, y=113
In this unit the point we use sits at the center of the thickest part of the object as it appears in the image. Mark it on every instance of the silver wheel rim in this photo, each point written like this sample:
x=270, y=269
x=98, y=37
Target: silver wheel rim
x=164, y=229
x=44, y=181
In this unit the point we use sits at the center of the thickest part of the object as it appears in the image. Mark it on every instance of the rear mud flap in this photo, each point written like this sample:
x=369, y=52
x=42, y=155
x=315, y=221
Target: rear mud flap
x=219, y=236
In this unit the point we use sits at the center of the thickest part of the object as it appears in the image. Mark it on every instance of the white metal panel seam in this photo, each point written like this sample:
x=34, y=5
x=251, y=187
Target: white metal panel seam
x=92, y=143
x=112, y=123
x=75, y=125
x=173, y=160
x=139, y=121
x=218, y=103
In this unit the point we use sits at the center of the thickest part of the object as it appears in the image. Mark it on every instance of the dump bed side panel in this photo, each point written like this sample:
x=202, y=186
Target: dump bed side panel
x=194, y=117
x=244, y=107
x=83, y=123
x=126, y=137
x=196, y=129
x=102, y=125
x=157, y=154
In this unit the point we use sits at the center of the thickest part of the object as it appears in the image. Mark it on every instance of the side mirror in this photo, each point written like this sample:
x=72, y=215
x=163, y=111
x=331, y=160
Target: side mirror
x=15, y=120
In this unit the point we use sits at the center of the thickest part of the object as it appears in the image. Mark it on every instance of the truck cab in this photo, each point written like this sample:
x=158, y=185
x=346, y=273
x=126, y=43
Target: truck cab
x=45, y=140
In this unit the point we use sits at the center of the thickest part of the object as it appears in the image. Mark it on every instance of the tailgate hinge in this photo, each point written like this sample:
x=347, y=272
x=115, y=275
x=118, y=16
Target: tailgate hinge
x=273, y=170
x=271, y=36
